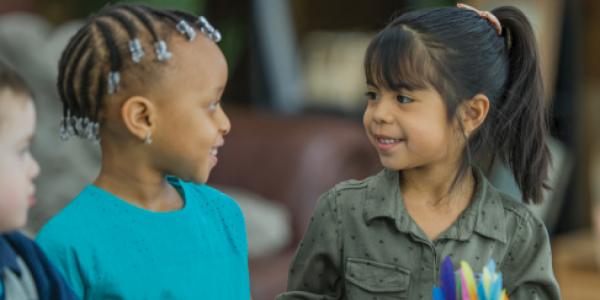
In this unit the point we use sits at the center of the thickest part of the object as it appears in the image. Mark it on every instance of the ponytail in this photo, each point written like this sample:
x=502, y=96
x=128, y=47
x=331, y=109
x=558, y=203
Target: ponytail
x=520, y=125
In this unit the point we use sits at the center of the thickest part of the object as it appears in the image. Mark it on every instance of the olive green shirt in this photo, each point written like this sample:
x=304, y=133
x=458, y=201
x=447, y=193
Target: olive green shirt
x=362, y=244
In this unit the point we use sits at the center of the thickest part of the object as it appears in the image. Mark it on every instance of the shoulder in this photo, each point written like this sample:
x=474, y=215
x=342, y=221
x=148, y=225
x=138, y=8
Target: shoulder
x=17, y=237
x=68, y=225
x=203, y=193
x=22, y=244
x=522, y=226
x=28, y=250
x=517, y=211
x=353, y=190
x=350, y=193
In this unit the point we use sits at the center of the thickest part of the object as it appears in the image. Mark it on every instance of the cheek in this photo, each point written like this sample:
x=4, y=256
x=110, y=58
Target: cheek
x=13, y=185
x=206, y=130
x=367, y=119
x=430, y=132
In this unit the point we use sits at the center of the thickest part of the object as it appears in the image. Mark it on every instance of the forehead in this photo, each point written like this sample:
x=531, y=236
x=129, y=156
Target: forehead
x=10, y=101
x=17, y=113
x=199, y=62
x=396, y=59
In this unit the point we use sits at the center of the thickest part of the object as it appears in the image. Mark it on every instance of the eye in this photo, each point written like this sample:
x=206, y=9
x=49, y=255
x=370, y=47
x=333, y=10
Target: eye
x=24, y=151
x=214, y=105
x=371, y=95
x=403, y=99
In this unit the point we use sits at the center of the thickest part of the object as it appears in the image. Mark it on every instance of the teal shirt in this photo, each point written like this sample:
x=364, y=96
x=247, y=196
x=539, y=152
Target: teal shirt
x=109, y=249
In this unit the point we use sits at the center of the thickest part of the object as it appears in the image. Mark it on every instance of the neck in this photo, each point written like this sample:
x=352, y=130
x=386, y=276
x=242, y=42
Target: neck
x=433, y=186
x=128, y=176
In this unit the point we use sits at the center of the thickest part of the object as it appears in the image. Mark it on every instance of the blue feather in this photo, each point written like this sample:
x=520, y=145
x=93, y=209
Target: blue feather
x=481, y=291
x=447, y=279
x=437, y=294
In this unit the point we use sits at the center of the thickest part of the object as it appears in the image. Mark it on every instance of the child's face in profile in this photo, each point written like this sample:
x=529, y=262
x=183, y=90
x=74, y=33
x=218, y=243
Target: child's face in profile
x=18, y=168
x=192, y=124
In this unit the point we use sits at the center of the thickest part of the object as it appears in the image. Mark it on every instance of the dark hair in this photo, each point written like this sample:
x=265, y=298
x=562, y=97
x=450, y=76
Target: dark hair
x=10, y=79
x=101, y=48
x=460, y=54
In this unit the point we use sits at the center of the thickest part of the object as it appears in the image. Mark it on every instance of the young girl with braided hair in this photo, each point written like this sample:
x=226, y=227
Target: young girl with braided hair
x=448, y=91
x=146, y=84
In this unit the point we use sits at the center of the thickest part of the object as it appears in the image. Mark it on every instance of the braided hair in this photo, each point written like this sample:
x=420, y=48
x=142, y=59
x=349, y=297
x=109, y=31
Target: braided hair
x=113, y=42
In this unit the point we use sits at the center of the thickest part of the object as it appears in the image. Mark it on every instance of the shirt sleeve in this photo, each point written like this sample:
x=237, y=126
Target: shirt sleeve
x=316, y=271
x=64, y=259
x=528, y=266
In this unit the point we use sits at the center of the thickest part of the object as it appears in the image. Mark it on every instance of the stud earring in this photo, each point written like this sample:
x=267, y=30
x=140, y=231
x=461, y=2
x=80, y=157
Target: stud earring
x=148, y=138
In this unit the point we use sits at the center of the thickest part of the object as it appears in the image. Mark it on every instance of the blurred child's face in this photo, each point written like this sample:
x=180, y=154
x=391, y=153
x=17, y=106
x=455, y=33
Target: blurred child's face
x=18, y=169
x=192, y=124
x=409, y=129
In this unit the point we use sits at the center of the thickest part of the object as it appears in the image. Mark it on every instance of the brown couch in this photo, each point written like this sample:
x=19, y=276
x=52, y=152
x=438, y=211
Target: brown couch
x=291, y=160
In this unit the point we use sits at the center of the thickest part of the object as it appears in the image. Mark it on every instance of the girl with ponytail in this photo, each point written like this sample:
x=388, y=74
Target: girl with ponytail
x=449, y=91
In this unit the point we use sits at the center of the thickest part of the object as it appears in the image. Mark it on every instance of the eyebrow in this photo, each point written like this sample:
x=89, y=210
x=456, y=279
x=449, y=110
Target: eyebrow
x=401, y=85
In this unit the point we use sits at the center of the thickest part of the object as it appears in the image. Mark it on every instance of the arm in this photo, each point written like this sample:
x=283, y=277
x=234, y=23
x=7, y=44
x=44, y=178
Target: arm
x=528, y=265
x=316, y=271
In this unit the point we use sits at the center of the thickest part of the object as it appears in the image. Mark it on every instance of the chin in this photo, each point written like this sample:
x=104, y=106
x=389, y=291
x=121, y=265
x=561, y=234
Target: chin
x=397, y=166
x=200, y=177
x=391, y=164
x=16, y=224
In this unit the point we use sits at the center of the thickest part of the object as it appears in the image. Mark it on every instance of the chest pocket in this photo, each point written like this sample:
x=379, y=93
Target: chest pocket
x=366, y=279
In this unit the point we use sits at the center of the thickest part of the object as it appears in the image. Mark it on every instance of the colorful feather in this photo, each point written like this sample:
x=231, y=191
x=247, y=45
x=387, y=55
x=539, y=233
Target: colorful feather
x=471, y=284
x=437, y=294
x=464, y=289
x=463, y=284
x=447, y=283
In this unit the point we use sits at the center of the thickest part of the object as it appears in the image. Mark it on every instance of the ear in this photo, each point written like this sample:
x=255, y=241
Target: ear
x=473, y=113
x=138, y=114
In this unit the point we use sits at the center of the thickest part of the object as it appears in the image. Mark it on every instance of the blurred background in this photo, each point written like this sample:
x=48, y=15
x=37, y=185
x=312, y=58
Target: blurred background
x=295, y=99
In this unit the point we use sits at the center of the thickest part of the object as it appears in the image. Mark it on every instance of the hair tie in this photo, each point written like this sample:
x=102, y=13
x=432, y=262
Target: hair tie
x=488, y=16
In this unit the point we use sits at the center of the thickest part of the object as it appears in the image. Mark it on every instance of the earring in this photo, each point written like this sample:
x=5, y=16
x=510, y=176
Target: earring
x=148, y=138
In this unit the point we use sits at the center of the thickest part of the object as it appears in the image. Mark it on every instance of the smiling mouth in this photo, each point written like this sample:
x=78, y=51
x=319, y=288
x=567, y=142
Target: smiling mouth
x=387, y=141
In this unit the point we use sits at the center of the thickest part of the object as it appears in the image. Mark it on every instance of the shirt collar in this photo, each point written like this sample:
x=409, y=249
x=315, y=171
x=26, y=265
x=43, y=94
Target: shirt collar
x=8, y=257
x=485, y=214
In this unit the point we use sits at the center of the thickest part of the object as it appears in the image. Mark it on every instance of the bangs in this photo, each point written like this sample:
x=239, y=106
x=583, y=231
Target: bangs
x=396, y=59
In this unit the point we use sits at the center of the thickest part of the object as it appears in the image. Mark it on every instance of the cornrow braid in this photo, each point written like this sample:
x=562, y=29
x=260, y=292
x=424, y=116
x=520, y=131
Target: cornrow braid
x=115, y=59
x=92, y=65
x=135, y=46
x=71, y=98
x=182, y=23
x=160, y=46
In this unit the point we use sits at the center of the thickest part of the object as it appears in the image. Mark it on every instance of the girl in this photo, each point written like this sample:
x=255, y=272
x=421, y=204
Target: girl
x=145, y=84
x=446, y=87
x=25, y=272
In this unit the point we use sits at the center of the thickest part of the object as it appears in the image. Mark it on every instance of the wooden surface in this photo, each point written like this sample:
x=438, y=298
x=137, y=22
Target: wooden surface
x=575, y=266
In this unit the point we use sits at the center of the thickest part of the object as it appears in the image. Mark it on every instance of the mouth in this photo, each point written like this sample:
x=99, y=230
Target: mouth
x=214, y=152
x=385, y=143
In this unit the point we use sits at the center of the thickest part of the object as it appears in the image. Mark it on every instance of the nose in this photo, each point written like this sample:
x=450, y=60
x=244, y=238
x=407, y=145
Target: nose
x=34, y=168
x=381, y=111
x=223, y=123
